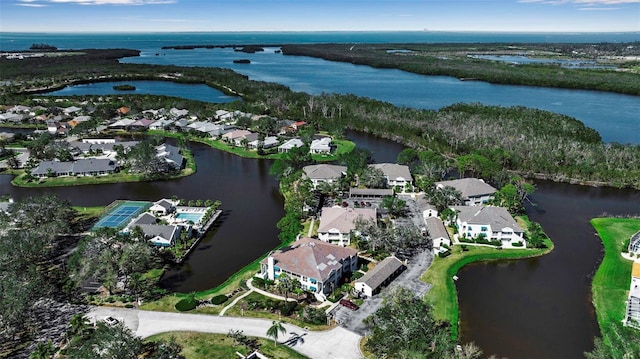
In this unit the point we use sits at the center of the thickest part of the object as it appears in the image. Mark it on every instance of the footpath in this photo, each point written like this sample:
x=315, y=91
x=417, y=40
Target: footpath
x=338, y=343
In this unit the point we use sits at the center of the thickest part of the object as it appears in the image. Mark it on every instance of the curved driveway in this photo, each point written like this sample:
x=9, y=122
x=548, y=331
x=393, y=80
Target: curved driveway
x=336, y=343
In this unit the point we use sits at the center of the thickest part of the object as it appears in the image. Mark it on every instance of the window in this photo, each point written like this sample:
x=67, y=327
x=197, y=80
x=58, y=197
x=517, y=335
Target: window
x=483, y=229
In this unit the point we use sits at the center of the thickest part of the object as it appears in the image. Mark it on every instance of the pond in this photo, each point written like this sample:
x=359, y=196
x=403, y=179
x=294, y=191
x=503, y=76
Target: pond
x=198, y=92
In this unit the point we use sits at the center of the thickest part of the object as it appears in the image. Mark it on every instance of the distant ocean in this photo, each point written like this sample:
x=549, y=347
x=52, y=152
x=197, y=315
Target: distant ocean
x=150, y=41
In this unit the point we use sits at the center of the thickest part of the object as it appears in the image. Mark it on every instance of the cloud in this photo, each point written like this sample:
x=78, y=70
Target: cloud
x=598, y=8
x=30, y=3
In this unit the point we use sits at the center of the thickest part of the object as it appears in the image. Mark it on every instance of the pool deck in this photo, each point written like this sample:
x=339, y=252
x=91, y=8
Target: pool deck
x=201, y=233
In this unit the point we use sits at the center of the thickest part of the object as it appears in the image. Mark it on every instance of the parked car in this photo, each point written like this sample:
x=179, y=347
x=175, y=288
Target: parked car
x=349, y=304
x=111, y=320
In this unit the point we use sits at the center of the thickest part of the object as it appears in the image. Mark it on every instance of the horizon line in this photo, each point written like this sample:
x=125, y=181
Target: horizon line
x=319, y=31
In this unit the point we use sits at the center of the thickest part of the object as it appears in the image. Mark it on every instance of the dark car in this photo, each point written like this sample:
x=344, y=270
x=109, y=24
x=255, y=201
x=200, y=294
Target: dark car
x=349, y=304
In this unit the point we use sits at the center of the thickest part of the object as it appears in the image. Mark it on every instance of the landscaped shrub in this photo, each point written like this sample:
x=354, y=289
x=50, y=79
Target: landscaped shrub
x=258, y=282
x=287, y=308
x=444, y=254
x=464, y=248
x=186, y=304
x=517, y=244
x=128, y=305
x=313, y=315
x=356, y=275
x=219, y=299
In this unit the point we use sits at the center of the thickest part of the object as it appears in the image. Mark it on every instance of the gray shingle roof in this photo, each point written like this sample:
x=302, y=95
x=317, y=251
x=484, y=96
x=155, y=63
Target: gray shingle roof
x=383, y=270
x=323, y=171
x=394, y=171
x=469, y=187
x=81, y=166
x=496, y=217
x=436, y=228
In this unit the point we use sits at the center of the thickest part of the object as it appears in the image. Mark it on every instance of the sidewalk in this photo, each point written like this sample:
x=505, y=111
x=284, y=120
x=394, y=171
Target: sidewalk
x=337, y=343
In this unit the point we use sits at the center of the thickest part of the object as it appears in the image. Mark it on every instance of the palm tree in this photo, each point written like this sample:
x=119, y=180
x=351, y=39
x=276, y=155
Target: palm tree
x=287, y=285
x=275, y=330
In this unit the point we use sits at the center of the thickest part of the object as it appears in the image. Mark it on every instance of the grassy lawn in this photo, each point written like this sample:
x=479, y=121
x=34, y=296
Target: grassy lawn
x=236, y=311
x=343, y=146
x=206, y=345
x=610, y=286
x=443, y=295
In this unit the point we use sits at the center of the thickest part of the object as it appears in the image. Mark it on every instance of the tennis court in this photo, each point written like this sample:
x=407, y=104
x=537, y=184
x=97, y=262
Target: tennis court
x=122, y=213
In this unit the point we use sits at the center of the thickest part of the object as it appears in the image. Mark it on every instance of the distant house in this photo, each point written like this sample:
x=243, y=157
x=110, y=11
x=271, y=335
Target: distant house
x=140, y=125
x=474, y=191
x=292, y=143
x=122, y=124
x=324, y=173
x=177, y=113
x=337, y=223
x=370, y=193
x=634, y=244
x=438, y=233
x=233, y=135
x=161, y=124
x=143, y=218
x=161, y=235
x=80, y=167
x=632, y=314
x=377, y=278
x=321, y=146
x=106, y=147
x=395, y=174
x=318, y=266
x=163, y=207
x=171, y=155
x=268, y=142
x=246, y=139
x=494, y=223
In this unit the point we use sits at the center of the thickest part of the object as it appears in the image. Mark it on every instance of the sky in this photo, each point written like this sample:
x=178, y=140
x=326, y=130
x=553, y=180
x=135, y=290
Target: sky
x=86, y=16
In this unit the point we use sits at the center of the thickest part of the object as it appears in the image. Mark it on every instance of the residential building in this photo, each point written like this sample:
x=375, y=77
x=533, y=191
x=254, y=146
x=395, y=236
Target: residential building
x=634, y=244
x=475, y=192
x=245, y=140
x=233, y=135
x=163, y=206
x=321, y=146
x=370, y=193
x=161, y=235
x=292, y=143
x=494, y=223
x=632, y=315
x=268, y=142
x=380, y=276
x=80, y=167
x=438, y=233
x=338, y=223
x=396, y=175
x=324, y=173
x=171, y=155
x=318, y=266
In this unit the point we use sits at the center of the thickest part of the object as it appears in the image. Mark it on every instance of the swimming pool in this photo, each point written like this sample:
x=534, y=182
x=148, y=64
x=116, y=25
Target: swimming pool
x=193, y=217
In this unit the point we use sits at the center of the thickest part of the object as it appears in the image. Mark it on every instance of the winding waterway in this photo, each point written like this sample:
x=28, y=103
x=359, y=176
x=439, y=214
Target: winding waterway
x=521, y=309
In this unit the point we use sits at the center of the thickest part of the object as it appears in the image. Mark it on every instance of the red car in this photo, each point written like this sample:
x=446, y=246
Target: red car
x=349, y=304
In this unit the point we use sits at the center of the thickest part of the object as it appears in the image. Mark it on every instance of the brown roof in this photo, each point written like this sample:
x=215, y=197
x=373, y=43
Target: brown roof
x=344, y=219
x=635, y=270
x=311, y=258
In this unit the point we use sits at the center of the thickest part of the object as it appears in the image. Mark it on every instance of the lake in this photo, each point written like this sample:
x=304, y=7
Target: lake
x=614, y=116
x=197, y=92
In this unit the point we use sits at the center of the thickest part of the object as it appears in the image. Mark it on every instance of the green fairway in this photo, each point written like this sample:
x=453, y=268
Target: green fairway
x=610, y=286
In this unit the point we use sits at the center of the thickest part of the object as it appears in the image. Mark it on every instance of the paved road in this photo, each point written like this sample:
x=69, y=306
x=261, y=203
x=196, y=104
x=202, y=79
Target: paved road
x=337, y=343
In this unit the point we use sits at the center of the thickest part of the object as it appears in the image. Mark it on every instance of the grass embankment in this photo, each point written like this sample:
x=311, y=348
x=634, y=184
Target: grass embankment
x=610, y=285
x=120, y=177
x=342, y=147
x=443, y=295
x=206, y=345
